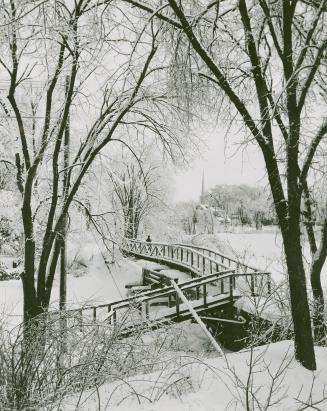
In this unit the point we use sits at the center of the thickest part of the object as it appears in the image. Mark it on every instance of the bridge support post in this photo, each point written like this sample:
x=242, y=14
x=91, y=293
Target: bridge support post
x=169, y=301
x=231, y=288
x=80, y=320
x=177, y=304
x=109, y=309
x=204, y=294
x=252, y=285
x=147, y=315
x=197, y=293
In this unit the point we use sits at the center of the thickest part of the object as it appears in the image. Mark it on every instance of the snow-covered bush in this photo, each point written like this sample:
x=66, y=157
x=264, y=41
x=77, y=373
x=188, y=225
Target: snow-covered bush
x=9, y=274
x=67, y=356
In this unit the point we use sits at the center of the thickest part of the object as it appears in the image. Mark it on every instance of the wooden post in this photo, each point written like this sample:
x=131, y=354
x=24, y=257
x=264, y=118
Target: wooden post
x=269, y=284
x=109, y=309
x=191, y=258
x=204, y=294
x=252, y=285
x=147, y=316
x=231, y=288
x=94, y=314
x=177, y=304
x=222, y=286
x=197, y=293
x=182, y=255
x=203, y=264
x=80, y=320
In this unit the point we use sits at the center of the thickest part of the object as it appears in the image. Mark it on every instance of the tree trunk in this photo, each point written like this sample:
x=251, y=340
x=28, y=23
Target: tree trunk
x=31, y=304
x=318, y=315
x=65, y=185
x=63, y=275
x=304, y=351
x=318, y=261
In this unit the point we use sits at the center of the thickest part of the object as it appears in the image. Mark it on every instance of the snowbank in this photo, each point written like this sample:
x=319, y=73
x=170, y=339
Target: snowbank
x=218, y=384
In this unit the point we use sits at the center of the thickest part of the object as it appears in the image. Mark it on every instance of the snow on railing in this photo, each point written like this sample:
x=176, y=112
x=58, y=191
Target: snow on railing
x=185, y=257
x=227, y=260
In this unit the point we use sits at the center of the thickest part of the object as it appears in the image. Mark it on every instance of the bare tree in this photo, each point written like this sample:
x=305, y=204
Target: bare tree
x=266, y=62
x=135, y=189
x=53, y=70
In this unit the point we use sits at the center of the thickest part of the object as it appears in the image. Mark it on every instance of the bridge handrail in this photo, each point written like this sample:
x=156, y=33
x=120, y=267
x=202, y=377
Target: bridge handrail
x=182, y=247
x=219, y=254
x=136, y=247
x=155, y=293
x=169, y=290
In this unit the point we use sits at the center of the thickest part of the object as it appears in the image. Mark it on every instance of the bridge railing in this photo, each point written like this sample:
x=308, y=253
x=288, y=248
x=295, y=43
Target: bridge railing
x=204, y=291
x=184, y=256
x=223, y=259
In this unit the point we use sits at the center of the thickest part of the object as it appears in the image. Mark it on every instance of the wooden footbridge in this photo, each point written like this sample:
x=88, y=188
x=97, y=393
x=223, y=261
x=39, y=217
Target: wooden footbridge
x=216, y=281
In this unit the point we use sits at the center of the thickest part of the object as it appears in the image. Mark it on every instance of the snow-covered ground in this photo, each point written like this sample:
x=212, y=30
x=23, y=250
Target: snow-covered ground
x=189, y=382
x=100, y=284
x=216, y=384
x=260, y=248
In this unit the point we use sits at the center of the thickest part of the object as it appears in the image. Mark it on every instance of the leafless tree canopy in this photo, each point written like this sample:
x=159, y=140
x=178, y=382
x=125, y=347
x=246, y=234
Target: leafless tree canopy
x=85, y=69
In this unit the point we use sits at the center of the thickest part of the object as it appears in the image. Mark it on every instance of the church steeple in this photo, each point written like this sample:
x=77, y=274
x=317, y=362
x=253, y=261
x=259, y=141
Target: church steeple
x=202, y=188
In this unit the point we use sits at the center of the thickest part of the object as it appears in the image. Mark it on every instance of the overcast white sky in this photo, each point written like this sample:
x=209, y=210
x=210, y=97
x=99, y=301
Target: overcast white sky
x=222, y=164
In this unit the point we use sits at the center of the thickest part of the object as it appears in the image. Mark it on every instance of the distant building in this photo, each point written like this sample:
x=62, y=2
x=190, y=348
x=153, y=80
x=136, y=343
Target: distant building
x=209, y=215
